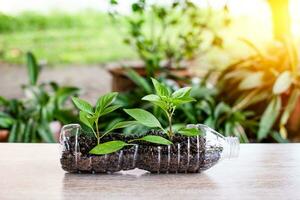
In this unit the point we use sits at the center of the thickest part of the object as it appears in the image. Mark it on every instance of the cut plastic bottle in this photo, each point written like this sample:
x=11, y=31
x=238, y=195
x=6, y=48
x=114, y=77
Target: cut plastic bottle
x=185, y=155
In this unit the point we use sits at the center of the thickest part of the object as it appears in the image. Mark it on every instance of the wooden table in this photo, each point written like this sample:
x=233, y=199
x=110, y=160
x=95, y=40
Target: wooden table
x=263, y=171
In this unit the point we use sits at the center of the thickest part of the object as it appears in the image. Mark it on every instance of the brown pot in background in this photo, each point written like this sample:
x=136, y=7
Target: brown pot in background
x=4, y=135
x=121, y=83
x=293, y=124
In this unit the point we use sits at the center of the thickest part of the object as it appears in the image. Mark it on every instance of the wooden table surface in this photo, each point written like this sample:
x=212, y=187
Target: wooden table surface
x=263, y=171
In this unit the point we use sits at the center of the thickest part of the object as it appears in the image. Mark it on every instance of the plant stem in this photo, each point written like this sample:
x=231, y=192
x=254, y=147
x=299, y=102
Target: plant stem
x=170, y=116
x=95, y=134
x=98, y=134
x=170, y=126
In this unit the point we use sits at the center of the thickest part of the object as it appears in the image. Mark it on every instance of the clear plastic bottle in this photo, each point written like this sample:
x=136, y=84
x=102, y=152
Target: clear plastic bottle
x=189, y=155
x=229, y=146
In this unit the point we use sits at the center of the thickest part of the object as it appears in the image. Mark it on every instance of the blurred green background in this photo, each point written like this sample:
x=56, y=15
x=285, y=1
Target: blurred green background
x=60, y=38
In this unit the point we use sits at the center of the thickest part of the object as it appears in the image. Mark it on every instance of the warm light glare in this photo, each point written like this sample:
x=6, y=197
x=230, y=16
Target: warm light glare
x=295, y=15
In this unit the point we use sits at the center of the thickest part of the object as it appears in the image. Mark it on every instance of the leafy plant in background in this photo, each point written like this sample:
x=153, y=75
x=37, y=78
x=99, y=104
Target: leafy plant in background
x=264, y=82
x=28, y=119
x=174, y=32
x=218, y=115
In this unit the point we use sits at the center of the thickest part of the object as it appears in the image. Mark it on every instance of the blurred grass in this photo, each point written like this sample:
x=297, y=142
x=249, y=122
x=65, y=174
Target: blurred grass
x=90, y=37
x=58, y=38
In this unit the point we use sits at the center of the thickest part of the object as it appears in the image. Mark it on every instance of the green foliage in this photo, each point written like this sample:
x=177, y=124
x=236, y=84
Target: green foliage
x=108, y=147
x=116, y=145
x=90, y=115
x=6, y=120
x=28, y=119
x=70, y=38
x=168, y=102
x=206, y=109
x=189, y=132
x=269, y=117
x=263, y=79
x=33, y=68
x=154, y=139
x=172, y=32
x=83, y=106
x=139, y=81
x=31, y=21
x=144, y=117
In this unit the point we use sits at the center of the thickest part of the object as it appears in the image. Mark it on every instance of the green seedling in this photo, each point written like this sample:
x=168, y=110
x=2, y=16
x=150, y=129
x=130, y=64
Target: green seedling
x=168, y=102
x=90, y=116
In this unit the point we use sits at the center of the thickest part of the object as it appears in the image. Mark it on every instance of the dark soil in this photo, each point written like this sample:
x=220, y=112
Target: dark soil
x=176, y=158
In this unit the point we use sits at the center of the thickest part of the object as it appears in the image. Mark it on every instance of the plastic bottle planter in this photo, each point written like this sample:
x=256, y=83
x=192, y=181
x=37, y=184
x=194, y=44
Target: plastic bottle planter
x=186, y=155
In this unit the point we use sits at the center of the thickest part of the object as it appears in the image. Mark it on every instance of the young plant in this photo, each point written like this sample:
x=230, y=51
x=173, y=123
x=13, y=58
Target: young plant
x=168, y=102
x=90, y=115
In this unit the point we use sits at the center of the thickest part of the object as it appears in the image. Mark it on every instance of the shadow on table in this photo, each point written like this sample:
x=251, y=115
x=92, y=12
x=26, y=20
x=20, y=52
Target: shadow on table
x=133, y=184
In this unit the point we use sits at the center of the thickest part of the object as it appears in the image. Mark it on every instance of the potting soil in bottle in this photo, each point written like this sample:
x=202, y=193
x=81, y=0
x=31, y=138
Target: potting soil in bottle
x=185, y=155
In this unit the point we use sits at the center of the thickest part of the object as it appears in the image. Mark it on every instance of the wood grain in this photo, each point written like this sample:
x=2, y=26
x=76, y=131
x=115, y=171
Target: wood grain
x=263, y=171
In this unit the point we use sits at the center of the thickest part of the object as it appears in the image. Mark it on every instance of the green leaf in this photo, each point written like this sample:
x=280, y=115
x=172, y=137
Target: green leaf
x=251, y=81
x=121, y=125
x=182, y=92
x=283, y=82
x=151, y=97
x=83, y=105
x=160, y=89
x=239, y=131
x=156, y=100
x=21, y=132
x=283, y=131
x=6, y=121
x=211, y=122
x=65, y=116
x=155, y=139
x=139, y=80
x=105, y=101
x=33, y=68
x=294, y=97
x=3, y=101
x=182, y=100
x=28, y=130
x=45, y=133
x=220, y=109
x=189, y=132
x=108, y=147
x=62, y=94
x=144, y=117
x=269, y=117
x=113, y=2
x=276, y=136
x=176, y=127
x=205, y=107
x=110, y=109
x=13, y=132
x=85, y=119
